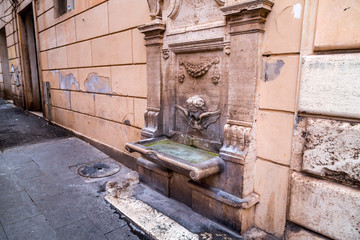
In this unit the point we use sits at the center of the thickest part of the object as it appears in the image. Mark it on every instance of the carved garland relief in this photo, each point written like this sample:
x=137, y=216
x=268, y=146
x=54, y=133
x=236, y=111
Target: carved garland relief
x=197, y=70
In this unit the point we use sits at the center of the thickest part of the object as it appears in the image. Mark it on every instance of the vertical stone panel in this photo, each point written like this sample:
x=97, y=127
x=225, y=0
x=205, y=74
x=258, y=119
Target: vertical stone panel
x=337, y=25
x=324, y=207
x=270, y=212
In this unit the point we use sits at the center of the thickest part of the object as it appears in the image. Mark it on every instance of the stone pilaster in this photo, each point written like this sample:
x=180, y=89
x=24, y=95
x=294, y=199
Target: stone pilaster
x=246, y=22
x=153, y=116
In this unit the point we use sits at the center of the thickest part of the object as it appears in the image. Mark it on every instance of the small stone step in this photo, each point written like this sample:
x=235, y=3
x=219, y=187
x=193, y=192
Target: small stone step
x=161, y=217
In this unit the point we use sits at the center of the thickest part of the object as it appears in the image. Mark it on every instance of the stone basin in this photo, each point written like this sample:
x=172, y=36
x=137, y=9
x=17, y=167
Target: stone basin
x=190, y=161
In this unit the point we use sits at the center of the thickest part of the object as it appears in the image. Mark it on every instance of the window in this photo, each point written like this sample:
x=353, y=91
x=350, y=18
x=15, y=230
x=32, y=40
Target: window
x=63, y=6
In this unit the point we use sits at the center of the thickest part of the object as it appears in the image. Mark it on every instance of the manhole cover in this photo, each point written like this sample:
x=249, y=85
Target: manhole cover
x=98, y=170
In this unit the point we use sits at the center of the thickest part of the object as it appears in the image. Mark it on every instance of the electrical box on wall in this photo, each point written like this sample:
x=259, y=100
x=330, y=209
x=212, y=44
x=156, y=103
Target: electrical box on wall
x=69, y=5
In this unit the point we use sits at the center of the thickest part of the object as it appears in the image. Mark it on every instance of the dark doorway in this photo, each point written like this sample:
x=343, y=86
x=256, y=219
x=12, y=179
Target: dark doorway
x=5, y=64
x=30, y=63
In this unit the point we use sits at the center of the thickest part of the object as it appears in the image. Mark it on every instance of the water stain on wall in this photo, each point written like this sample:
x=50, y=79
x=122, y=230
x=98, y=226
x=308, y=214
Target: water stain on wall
x=98, y=84
x=270, y=71
x=66, y=82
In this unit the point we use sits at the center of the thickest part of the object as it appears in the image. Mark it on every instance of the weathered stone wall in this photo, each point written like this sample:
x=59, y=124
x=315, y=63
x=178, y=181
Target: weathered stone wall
x=307, y=171
x=95, y=60
x=9, y=24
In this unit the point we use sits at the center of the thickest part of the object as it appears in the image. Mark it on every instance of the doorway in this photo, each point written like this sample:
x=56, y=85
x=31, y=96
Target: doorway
x=5, y=65
x=29, y=60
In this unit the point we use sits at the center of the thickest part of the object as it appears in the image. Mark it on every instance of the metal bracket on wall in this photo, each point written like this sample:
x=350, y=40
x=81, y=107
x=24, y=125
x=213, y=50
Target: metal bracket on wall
x=47, y=99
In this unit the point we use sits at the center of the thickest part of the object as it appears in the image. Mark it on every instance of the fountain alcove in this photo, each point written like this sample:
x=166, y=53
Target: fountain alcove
x=199, y=143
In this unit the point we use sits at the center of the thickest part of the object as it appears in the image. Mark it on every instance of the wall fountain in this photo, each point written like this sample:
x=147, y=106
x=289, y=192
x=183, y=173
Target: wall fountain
x=199, y=143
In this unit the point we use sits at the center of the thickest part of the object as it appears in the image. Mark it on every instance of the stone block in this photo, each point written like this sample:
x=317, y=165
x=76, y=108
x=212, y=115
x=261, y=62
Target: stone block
x=112, y=49
x=327, y=208
x=11, y=39
x=41, y=22
x=330, y=85
x=337, y=25
x=60, y=98
x=65, y=32
x=46, y=20
x=79, y=54
x=92, y=23
x=42, y=6
x=139, y=110
x=123, y=75
x=11, y=52
x=283, y=27
x=127, y=14
x=278, y=82
x=57, y=58
x=95, y=79
x=47, y=39
x=294, y=232
x=139, y=49
x=332, y=150
x=154, y=176
x=44, y=60
x=107, y=132
x=274, y=136
x=63, y=117
x=83, y=102
x=123, y=106
x=270, y=213
x=54, y=79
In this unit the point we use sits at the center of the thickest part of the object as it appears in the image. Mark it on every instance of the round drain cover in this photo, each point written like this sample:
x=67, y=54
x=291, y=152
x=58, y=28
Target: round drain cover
x=98, y=170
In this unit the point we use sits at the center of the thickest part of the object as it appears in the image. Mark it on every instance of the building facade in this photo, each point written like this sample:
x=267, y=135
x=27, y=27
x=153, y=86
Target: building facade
x=289, y=72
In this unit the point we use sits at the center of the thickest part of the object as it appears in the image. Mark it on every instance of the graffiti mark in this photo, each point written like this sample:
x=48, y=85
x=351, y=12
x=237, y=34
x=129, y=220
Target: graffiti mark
x=98, y=84
x=270, y=71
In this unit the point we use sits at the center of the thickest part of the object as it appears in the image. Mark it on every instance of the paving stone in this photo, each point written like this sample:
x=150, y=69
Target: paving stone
x=63, y=209
x=103, y=216
x=27, y=170
x=15, y=157
x=4, y=169
x=35, y=228
x=17, y=207
x=83, y=229
x=9, y=184
x=46, y=186
x=2, y=233
x=121, y=233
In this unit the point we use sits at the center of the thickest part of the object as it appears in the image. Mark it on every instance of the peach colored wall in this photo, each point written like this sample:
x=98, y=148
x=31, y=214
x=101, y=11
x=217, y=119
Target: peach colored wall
x=277, y=97
x=12, y=43
x=98, y=46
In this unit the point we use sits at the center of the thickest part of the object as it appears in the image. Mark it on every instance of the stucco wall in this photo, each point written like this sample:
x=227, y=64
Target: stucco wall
x=94, y=58
x=10, y=25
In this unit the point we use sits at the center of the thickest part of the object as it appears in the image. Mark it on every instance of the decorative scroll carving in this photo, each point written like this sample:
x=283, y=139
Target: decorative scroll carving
x=151, y=123
x=220, y=2
x=155, y=8
x=196, y=113
x=175, y=9
x=236, y=141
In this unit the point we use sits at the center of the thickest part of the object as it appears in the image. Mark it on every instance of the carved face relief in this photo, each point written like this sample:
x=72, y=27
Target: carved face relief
x=196, y=113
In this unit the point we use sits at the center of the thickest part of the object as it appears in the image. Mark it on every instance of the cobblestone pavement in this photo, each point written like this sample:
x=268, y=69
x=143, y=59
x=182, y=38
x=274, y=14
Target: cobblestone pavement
x=41, y=194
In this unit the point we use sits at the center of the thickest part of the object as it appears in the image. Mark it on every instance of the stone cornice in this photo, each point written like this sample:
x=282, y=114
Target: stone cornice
x=247, y=7
x=247, y=17
x=154, y=31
